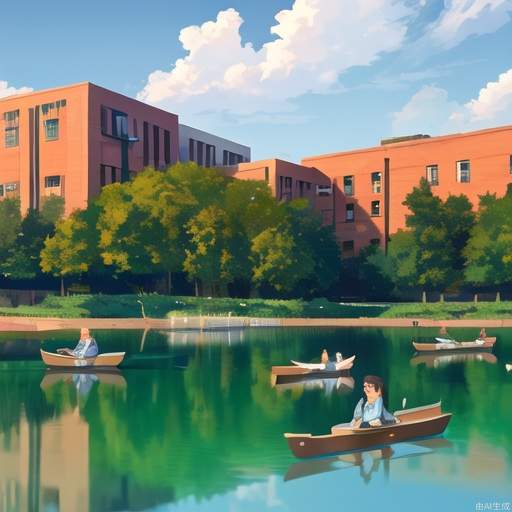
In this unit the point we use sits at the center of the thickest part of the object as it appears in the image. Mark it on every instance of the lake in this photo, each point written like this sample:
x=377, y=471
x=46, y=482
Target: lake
x=191, y=422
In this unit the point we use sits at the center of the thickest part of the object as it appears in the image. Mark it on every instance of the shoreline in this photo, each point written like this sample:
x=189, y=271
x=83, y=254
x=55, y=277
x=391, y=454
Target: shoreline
x=34, y=324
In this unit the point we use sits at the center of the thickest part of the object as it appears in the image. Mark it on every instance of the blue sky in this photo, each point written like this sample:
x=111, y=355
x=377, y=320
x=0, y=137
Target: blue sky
x=289, y=78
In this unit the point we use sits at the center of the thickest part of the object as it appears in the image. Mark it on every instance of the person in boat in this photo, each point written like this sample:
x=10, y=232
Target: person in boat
x=482, y=334
x=370, y=410
x=324, y=358
x=86, y=347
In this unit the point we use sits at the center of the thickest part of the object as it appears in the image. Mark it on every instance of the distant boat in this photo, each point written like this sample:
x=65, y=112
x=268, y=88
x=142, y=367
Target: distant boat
x=282, y=374
x=107, y=360
x=479, y=344
x=508, y=367
x=414, y=423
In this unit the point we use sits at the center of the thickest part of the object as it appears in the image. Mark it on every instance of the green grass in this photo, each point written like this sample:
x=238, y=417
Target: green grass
x=161, y=306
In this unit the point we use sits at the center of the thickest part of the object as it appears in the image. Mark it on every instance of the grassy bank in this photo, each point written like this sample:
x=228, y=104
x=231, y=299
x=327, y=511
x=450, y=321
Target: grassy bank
x=161, y=306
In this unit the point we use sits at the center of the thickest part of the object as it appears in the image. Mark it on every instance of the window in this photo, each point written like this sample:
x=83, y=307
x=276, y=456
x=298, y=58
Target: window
x=347, y=248
x=375, y=241
x=463, y=171
x=200, y=152
x=52, y=181
x=287, y=182
x=167, y=147
x=113, y=175
x=375, y=209
x=376, y=182
x=348, y=185
x=104, y=120
x=11, y=128
x=2, y=193
x=308, y=185
x=432, y=175
x=11, y=137
x=103, y=174
x=323, y=190
x=145, y=144
x=51, y=127
x=119, y=124
x=510, y=164
x=349, y=212
x=156, y=146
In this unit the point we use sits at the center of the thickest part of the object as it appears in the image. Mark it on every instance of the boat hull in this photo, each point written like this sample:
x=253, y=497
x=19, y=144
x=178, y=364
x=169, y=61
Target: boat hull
x=454, y=347
x=108, y=360
x=414, y=423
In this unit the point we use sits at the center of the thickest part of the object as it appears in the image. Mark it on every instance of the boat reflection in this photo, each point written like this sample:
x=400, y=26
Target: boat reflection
x=436, y=360
x=369, y=461
x=340, y=385
x=83, y=381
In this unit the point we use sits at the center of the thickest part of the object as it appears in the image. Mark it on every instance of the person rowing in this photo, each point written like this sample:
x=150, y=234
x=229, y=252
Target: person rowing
x=86, y=347
x=370, y=410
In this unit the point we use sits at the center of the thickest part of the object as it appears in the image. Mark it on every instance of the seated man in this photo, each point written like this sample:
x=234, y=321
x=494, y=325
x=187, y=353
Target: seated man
x=86, y=347
x=370, y=411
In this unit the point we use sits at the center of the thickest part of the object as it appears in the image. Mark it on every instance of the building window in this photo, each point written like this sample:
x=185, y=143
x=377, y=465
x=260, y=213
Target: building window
x=12, y=137
x=375, y=209
x=103, y=174
x=156, y=146
x=287, y=182
x=348, y=185
x=463, y=171
x=52, y=181
x=145, y=144
x=167, y=147
x=113, y=175
x=11, y=128
x=51, y=127
x=2, y=193
x=375, y=241
x=323, y=190
x=432, y=175
x=376, y=182
x=135, y=128
x=104, y=120
x=119, y=124
x=510, y=164
x=200, y=151
x=349, y=212
x=347, y=248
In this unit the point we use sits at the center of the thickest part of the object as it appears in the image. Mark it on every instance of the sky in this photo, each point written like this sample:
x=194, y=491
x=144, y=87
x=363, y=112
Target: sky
x=290, y=78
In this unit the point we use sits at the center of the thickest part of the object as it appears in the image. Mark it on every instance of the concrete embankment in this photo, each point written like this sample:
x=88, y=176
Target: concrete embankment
x=26, y=324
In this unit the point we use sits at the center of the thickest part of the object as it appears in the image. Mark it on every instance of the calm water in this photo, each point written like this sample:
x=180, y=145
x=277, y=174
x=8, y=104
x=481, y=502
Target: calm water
x=192, y=423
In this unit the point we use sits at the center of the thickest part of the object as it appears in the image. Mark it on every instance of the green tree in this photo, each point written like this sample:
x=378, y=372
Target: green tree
x=74, y=248
x=489, y=249
x=10, y=229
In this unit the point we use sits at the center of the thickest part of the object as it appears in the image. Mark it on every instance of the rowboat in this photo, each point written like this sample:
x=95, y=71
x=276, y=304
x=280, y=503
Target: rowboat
x=480, y=344
x=437, y=360
x=282, y=374
x=107, y=360
x=413, y=423
x=508, y=367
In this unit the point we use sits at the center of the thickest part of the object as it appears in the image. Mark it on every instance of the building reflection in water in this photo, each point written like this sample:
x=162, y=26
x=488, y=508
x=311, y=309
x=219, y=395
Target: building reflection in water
x=194, y=337
x=45, y=466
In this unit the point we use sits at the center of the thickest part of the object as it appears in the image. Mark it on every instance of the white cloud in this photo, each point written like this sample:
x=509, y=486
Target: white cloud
x=430, y=110
x=463, y=18
x=317, y=41
x=6, y=90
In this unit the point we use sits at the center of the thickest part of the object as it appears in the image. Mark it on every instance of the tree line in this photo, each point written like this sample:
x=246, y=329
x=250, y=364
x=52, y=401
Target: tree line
x=446, y=246
x=223, y=234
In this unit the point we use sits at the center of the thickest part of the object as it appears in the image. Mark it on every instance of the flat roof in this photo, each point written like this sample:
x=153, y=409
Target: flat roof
x=414, y=142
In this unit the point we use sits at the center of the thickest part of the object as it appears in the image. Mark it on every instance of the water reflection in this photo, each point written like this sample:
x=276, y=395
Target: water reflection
x=340, y=385
x=368, y=461
x=229, y=336
x=435, y=360
x=83, y=380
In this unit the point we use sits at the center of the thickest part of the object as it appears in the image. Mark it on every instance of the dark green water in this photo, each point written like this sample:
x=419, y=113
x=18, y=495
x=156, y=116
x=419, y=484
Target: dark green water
x=192, y=423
